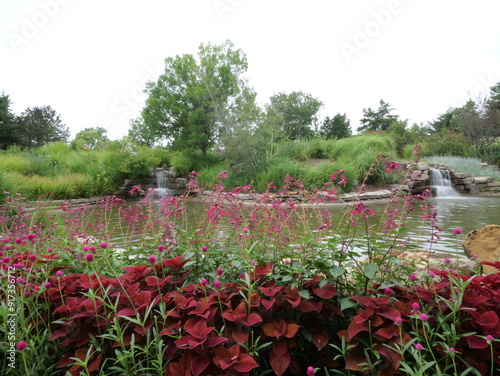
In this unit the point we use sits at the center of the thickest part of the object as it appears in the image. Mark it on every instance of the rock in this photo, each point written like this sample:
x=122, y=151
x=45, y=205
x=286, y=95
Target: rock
x=459, y=175
x=425, y=260
x=493, y=184
x=482, y=179
x=485, y=244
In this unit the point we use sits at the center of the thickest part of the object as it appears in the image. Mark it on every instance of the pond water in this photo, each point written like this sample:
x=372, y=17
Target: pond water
x=465, y=212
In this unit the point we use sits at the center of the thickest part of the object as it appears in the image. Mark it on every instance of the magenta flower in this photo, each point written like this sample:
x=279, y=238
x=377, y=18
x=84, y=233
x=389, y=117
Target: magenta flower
x=27, y=294
x=387, y=291
x=68, y=248
x=31, y=236
x=413, y=277
x=89, y=257
x=489, y=338
x=447, y=260
x=93, y=248
x=6, y=260
x=452, y=349
x=418, y=346
x=310, y=371
x=49, y=249
x=245, y=230
x=21, y=345
x=217, y=284
x=18, y=240
x=59, y=273
x=432, y=274
x=299, y=248
x=399, y=320
x=457, y=231
x=161, y=248
x=219, y=271
x=203, y=282
x=152, y=259
x=7, y=247
x=48, y=285
x=415, y=306
x=86, y=248
x=19, y=265
x=204, y=248
x=252, y=262
x=103, y=245
x=424, y=317
x=32, y=257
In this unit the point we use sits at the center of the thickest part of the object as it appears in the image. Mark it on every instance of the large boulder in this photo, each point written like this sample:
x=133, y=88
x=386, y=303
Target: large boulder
x=425, y=260
x=485, y=244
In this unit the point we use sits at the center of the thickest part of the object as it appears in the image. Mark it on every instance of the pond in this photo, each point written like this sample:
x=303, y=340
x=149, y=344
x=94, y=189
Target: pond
x=465, y=212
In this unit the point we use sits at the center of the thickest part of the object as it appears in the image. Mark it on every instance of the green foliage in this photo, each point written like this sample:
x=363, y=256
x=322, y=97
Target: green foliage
x=337, y=127
x=9, y=129
x=377, y=120
x=90, y=138
x=210, y=175
x=447, y=143
x=14, y=162
x=363, y=144
x=40, y=125
x=185, y=162
x=492, y=155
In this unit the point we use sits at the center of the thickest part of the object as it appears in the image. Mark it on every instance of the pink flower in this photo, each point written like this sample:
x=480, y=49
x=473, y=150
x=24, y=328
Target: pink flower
x=245, y=230
x=103, y=245
x=6, y=260
x=415, y=306
x=7, y=247
x=424, y=317
x=49, y=249
x=399, y=320
x=217, y=284
x=31, y=236
x=161, y=248
x=32, y=257
x=86, y=248
x=93, y=248
x=310, y=371
x=152, y=259
x=219, y=271
x=68, y=248
x=89, y=257
x=252, y=262
x=387, y=291
x=418, y=346
x=432, y=274
x=413, y=277
x=299, y=248
x=452, y=349
x=204, y=248
x=27, y=294
x=203, y=282
x=457, y=231
x=489, y=338
x=59, y=273
x=48, y=285
x=18, y=240
x=21, y=345
x=447, y=260
x=287, y=261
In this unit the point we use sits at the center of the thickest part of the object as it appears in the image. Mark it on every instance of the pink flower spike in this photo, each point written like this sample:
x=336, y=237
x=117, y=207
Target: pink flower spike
x=152, y=259
x=310, y=371
x=219, y=271
x=89, y=257
x=217, y=284
x=299, y=248
x=204, y=248
x=103, y=245
x=27, y=294
x=7, y=247
x=457, y=231
x=415, y=306
x=424, y=317
x=418, y=346
x=21, y=345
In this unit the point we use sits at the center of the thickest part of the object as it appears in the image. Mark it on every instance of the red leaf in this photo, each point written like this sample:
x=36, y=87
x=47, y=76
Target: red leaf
x=355, y=327
x=325, y=292
x=268, y=303
x=142, y=299
x=175, y=263
x=126, y=312
x=94, y=365
x=310, y=306
x=320, y=339
x=270, y=289
x=488, y=320
x=476, y=342
x=252, y=319
x=279, y=363
x=389, y=313
x=245, y=363
x=240, y=336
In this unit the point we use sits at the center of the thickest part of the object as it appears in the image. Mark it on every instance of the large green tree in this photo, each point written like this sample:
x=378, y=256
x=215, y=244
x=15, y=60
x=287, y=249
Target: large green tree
x=90, y=138
x=196, y=100
x=9, y=129
x=337, y=127
x=40, y=125
x=292, y=115
x=377, y=120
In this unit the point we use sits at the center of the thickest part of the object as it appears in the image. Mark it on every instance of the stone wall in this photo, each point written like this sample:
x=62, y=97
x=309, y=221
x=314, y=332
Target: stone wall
x=418, y=180
x=177, y=185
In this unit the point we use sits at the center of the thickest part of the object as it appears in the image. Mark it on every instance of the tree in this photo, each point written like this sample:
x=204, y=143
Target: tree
x=337, y=127
x=40, y=125
x=378, y=120
x=90, y=138
x=292, y=116
x=142, y=135
x=446, y=121
x=9, y=132
x=191, y=104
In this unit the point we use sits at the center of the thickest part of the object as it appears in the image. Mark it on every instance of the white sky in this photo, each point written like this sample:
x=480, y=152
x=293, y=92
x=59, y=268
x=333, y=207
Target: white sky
x=89, y=59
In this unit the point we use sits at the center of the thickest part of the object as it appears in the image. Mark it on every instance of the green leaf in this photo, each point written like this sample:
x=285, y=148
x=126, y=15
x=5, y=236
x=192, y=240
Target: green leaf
x=337, y=271
x=304, y=294
x=345, y=303
x=371, y=270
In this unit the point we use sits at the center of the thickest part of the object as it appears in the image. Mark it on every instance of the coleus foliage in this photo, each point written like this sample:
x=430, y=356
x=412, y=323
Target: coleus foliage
x=205, y=331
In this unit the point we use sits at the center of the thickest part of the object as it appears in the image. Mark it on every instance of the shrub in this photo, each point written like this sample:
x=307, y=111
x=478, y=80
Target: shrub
x=185, y=162
x=14, y=163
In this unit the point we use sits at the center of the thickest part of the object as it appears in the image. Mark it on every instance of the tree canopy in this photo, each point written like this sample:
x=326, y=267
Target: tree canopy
x=377, y=120
x=337, y=127
x=195, y=100
x=90, y=138
x=9, y=129
x=40, y=125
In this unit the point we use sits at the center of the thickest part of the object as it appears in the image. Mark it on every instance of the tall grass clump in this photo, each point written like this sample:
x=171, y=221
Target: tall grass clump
x=471, y=166
x=185, y=162
x=10, y=162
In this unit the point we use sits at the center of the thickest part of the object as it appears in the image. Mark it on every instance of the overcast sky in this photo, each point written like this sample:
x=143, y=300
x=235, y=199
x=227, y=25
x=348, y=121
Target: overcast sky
x=89, y=60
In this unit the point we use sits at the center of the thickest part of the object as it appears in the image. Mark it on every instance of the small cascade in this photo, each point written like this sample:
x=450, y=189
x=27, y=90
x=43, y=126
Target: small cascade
x=161, y=190
x=440, y=182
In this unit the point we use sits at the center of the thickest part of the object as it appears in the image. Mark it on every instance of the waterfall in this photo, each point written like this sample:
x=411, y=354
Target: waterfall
x=161, y=189
x=440, y=182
